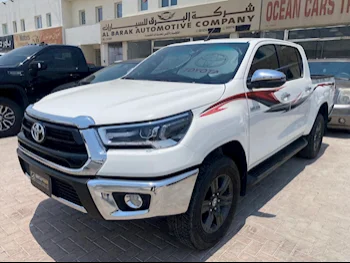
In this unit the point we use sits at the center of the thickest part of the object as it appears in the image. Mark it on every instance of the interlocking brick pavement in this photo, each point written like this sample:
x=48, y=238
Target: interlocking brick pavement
x=300, y=213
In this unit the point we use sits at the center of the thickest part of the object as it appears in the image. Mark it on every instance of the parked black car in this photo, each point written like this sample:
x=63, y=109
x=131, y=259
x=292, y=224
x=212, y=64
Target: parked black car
x=29, y=73
x=114, y=71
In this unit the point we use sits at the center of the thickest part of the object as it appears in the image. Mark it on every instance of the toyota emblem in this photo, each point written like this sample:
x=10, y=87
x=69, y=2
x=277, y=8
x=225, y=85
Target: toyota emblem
x=38, y=132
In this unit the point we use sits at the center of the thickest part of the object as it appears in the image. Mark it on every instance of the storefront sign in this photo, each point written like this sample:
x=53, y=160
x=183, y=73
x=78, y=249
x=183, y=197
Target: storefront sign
x=223, y=17
x=47, y=36
x=281, y=14
x=6, y=43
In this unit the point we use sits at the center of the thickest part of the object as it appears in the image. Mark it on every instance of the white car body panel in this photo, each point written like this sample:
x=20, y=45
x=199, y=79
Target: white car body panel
x=238, y=118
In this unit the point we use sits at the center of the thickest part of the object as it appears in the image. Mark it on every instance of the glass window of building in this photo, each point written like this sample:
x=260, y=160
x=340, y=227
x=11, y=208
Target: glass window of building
x=140, y=49
x=38, y=22
x=99, y=14
x=273, y=34
x=166, y=3
x=327, y=32
x=4, y=29
x=23, y=25
x=15, y=29
x=82, y=17
x=118, y=10
x=249, y=35
x=48, y=20
x=143, y=5
x=211, y=37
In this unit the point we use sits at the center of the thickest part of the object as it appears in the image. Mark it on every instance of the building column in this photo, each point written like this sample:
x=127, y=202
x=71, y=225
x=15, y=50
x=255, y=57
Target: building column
x=125, y=50
x=104, y=55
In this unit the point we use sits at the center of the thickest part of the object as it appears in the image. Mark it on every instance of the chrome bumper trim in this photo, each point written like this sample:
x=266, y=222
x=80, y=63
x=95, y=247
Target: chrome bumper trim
x=97, y=156
x=82, y=122
x=69, y=204
x=168, y=197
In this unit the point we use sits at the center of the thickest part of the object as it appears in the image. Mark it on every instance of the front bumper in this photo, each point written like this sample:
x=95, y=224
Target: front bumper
x=168, y=197
x=340, y=118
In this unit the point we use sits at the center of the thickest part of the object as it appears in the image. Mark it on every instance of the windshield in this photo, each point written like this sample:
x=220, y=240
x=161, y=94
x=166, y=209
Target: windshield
x=110, y=73
x=339, y=70
x=201, y=63
x=18, y=56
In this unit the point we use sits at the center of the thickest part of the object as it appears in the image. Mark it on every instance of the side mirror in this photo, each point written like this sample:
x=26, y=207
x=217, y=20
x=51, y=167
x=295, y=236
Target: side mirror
x=38, y=66
x=267, y=78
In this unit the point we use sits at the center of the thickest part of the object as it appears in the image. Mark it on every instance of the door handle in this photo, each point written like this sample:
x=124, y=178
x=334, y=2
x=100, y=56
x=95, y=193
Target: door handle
x=285, y=97
x=308, y=89
x=75, y=76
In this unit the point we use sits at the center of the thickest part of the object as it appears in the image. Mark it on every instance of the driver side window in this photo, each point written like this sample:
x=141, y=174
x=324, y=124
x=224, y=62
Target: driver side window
x=265, y=58
x=58, y=59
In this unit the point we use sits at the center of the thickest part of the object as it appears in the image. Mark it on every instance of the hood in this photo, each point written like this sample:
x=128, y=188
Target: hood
x=127, y=101
x=67, y=86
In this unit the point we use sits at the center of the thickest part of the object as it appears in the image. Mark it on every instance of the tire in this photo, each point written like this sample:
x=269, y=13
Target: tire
x=315, y=139
x=11, y=115
x=190, y=228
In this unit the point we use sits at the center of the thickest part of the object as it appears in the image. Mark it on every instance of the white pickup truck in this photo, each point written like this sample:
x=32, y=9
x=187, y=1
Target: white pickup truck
x=183, y=135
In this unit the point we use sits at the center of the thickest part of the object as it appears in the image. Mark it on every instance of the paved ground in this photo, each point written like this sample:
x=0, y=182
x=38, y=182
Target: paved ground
x=300, y=213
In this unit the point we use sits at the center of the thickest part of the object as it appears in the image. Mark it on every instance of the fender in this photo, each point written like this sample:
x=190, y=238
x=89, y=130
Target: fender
x=323, y=94
x=17, y=88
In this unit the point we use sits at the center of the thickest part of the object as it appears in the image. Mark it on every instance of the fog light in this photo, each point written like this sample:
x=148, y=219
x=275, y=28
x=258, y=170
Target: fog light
x=133, y=201
x=342, y=121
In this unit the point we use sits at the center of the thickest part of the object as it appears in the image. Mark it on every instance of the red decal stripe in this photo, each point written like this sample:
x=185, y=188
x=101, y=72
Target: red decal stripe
x=218, y=106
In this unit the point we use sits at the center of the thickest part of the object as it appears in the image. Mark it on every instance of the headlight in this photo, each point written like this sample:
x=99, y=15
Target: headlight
x=155, y=134
x=344, y=97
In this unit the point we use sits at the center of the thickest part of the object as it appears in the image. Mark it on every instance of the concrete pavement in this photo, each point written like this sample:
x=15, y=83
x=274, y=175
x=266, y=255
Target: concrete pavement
x=300, y=213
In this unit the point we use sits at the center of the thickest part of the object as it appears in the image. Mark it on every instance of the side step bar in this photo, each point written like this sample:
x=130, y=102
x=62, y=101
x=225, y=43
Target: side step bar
x=270, y=165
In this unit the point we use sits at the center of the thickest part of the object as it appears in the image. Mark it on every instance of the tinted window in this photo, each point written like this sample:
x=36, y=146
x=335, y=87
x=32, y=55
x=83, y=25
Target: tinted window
x=265, y=58
x=19, y=55
x=61, y=58
x=198, y=63
x=337, y=69
x=290, y=62
x=110, y=73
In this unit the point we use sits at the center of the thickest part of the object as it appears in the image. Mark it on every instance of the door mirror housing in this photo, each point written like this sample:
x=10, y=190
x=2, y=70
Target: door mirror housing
x=267, y=78
x=38, y=66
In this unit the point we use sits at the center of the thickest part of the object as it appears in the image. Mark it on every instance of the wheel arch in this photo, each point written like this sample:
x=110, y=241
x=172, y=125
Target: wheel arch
x=235, y=151
x=324, y=111
x=16, y=94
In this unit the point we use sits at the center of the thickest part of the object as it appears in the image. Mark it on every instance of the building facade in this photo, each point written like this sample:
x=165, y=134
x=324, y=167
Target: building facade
x=31, y=21
x=111, y=30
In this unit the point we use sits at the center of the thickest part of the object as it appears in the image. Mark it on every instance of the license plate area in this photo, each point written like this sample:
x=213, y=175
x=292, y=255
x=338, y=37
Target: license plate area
x=42, y=182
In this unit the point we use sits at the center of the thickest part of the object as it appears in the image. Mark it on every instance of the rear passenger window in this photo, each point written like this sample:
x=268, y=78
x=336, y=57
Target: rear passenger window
x=265, y=58
x=290, y=62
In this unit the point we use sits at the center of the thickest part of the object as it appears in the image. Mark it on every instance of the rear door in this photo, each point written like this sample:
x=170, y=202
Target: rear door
x=291, y=64
x=271, y=119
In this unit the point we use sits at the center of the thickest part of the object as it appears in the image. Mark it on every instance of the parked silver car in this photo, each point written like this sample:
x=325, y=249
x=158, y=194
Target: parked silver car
x=340, y=69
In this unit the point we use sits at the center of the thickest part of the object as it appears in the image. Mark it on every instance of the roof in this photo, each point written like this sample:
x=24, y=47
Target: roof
x=344, y=60
x=233, y=40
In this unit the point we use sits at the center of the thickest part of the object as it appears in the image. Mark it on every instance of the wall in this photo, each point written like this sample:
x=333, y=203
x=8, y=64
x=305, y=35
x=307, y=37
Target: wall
x=130, y=8
x=84, y=35
x=89, y=53
x=90, y=9
x=27, y=10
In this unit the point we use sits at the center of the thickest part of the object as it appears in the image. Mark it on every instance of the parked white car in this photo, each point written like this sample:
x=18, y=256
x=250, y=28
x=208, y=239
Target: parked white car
x=182, y=135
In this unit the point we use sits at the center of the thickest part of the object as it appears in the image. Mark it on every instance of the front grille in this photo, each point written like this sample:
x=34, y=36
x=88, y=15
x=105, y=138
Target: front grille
x=62, y=145
x=65, y=191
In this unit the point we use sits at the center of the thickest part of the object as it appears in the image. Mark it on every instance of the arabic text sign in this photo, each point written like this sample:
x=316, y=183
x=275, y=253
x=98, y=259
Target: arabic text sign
x=281, y=14
x=6, y=43
x=224, y=17
x=48, y=36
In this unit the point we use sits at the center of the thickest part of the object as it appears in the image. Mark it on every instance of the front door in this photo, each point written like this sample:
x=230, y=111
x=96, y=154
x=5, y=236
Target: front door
x=61, y=68
x=271, y=118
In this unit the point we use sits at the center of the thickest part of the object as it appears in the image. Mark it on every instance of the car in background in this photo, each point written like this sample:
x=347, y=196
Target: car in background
x=340, y=69
x=112, y=72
